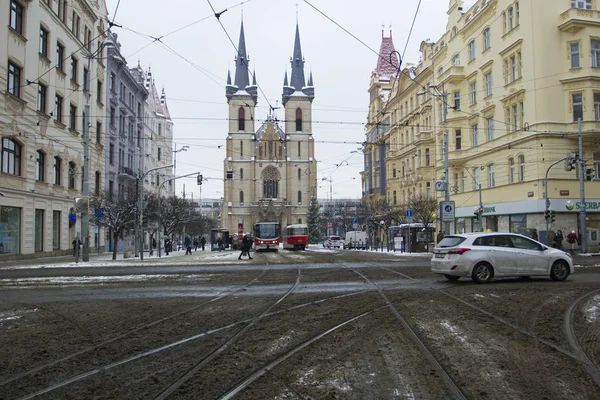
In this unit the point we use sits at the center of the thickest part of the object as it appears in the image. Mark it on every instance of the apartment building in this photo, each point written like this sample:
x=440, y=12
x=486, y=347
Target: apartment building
x=52, y=64
x=517, y=76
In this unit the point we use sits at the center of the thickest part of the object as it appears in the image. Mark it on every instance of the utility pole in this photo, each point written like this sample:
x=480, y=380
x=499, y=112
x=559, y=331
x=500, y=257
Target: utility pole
x=85, y=216
x=583, y=212
x=446, y=177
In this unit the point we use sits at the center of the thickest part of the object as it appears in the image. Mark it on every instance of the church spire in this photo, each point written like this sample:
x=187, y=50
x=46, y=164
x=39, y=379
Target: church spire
x=228, y=77
x=241, y=63
x=297, y=81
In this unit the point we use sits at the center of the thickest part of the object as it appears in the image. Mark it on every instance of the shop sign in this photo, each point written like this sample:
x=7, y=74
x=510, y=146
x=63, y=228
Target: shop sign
x=529, y=194
x=487, y=210
x=589, y=205
x=564, y=192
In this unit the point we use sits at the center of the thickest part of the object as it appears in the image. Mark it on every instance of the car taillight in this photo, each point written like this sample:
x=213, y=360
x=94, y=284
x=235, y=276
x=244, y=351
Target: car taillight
x=460, y=251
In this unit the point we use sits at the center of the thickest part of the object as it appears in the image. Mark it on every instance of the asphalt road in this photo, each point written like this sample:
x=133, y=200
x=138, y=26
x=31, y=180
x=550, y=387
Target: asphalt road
x=296, y=325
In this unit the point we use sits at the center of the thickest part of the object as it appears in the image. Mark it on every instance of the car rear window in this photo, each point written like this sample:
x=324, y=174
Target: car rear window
x=335, y=238
x=451, y=241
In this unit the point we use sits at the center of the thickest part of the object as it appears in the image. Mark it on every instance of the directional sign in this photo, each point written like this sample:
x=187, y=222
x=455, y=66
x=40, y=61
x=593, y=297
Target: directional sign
x=409, y=213
x=355, y=221
x=447, y=211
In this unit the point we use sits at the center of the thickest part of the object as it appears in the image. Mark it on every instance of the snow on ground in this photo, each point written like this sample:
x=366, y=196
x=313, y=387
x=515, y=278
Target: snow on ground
x=592, y=308
x=12, y=315
x=82, y=280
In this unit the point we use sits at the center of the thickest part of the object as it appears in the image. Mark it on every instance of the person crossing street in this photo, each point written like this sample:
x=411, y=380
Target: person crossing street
x=246, y=244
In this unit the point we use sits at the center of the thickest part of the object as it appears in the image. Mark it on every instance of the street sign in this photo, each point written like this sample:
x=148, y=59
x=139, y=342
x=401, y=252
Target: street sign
x=447, y=211
x=330, y=224
x=409, y=213
x=355, y=221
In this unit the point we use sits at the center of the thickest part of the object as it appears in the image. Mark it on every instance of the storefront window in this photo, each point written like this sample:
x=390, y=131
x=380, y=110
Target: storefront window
x=10, y=230
x=56, y=230
x=39, y=230
x=476, y=225
x=460, y=225
x=518, y=223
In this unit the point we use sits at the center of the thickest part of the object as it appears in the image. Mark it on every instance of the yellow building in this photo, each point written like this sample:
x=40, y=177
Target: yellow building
x=517, y=76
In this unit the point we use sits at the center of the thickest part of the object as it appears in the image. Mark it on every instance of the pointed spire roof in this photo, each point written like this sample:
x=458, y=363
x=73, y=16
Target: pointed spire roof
x=297, y=61
x=228, y=77
x=254, y=78
x=385, y=69
x=285, y=80
x=241, y=62
x=310, y=80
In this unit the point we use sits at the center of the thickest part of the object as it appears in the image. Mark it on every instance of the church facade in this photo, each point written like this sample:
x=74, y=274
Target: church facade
x=270, y=170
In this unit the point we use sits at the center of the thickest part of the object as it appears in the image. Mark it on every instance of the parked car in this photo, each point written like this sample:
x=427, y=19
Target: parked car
x=484, y=256
x=332, y=241
x=355, y=240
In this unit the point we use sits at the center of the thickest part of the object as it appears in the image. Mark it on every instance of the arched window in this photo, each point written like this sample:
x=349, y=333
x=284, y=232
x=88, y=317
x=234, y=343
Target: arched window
x=241, y=197
x=298, y=120
x=40, y=166
x=11, y=157
x=299, y=197
x=270, y=177
x=241, y=119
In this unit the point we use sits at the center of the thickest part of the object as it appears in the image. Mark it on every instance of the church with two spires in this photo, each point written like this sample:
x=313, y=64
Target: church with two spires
x=270, y=172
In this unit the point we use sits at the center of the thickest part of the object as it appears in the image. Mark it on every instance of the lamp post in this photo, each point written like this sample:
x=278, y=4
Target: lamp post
x=444, y=96
x=330, y=188
x=159, y=209
x=139, y=227
x=184, y=148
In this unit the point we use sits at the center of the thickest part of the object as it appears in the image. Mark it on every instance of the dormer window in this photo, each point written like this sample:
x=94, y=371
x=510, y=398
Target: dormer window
x=241, y=119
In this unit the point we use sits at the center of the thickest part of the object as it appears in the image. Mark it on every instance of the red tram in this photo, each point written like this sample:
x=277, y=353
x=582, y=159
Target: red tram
x=266, y=236
x=296, y=237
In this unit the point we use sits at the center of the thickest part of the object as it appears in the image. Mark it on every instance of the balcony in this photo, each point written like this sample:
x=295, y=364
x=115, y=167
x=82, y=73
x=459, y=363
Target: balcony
x=454, y=74
x=127, y=173
x=575, y=19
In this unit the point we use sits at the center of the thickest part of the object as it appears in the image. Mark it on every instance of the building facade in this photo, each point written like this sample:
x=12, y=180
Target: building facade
x=270, y=172
x=126, y=95
x=51, y=66
x=517, y=77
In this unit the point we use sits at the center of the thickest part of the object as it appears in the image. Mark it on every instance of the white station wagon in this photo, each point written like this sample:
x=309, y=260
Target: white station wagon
x=484, y=256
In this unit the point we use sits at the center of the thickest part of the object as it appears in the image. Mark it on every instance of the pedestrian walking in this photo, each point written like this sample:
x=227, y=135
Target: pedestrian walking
x=558, y=238
x=76, y=246
x=195, y=244
x=188, y=245
x=220, y=243
x=573, y=241
x=246, y=244
x=534, y=235
x=167, y=246
x=202, y=242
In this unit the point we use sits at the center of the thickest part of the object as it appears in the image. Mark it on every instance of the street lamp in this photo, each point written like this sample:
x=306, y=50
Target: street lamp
x=330, y=188
x=184, y=148
x=434, y=91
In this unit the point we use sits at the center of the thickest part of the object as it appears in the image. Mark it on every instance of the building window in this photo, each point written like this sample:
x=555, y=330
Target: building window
x=16, y=16
x=490, y=128
x=57, y=168
x=98, y=132
x=299, y=147
x=241, y=119
x=86, y=80
x=10, y=240
x=595, y=45
x=60, y=57
x=58, y=108
x=521, y=168
x=241, y=149
x=241, y=197
x=504, y=25
x=517, y=13
x=457, y=100
x=456, y=60
x=575, y=55
x=159, y=129
x=511, y=23
x=299, y=174
x=471, y=50
x=111, y=154
x=43, y=42
x=487, y=40
x=577, y=106
x=159, y=153
x=40, y=160
x=299, y=197
x=584, y=4
x=597, y=109
x=488, y=84
x=55, y=230
x=97, y=184
x=491, y=175
x=511, y=170
x=73, y=117
x=474, y=135
x=41, y=98
x=11, y=157
x=74, y=63
x=72, y=174
x=457, y=135
x=427, y=158
x=38, y=242
x=473, y=93
x=242, y=173
x=14, y=79
x=298, y=120
x=394, y=198
x=515, y=118
x=513, y=68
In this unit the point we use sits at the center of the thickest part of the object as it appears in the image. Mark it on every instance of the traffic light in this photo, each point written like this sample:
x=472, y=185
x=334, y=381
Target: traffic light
x=477, y=214
x=552, y=216
x=199, y=178
x=547, y=214
x=570, y=161
x=590, y=174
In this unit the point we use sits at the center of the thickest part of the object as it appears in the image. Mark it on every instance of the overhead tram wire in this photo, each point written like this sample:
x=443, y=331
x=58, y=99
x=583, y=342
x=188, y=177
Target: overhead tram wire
x=244, y=61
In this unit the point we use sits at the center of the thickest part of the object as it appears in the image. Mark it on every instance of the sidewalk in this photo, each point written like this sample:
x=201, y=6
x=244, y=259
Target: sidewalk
x=105, y=260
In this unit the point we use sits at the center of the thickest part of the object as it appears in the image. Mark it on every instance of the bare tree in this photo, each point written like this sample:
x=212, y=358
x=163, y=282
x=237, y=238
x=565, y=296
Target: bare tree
x=424, y=211
x=115, y=213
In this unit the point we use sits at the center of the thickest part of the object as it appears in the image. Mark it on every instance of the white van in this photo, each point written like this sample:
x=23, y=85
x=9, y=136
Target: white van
x=355, y=240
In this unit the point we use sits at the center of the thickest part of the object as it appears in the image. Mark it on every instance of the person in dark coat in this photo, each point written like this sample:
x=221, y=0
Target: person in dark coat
x=202, y=242
x=167, y=246
x=188, y=245
x=558, y=239
x=246, y=243
x=195, y=244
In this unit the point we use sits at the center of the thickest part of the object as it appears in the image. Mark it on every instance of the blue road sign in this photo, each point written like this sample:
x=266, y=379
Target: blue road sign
x=355, y=221
x=409, y=213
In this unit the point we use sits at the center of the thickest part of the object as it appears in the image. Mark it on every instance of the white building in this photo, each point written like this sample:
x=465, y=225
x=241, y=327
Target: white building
x=44, y=66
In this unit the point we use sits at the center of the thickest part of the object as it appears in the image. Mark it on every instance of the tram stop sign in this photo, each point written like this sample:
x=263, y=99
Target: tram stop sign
x=447, y=211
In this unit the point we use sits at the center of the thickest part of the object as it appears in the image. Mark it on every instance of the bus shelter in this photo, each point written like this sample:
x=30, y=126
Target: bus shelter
x=215, y=235
x=412, y=238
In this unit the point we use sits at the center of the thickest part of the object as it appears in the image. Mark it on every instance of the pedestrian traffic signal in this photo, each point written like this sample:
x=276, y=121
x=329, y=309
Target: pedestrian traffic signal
x=199, y=178
x=552, y=216
x=547, y=215
x=477, y=214
x=590, y=174
x=570, y=161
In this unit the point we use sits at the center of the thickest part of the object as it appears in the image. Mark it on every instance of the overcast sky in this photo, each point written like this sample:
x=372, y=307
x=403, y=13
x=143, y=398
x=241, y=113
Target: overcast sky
x=194, y=70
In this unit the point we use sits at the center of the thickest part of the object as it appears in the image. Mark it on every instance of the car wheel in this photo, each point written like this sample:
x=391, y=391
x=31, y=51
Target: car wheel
x=482, y=273
x=559, y=271
x=452, y=278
